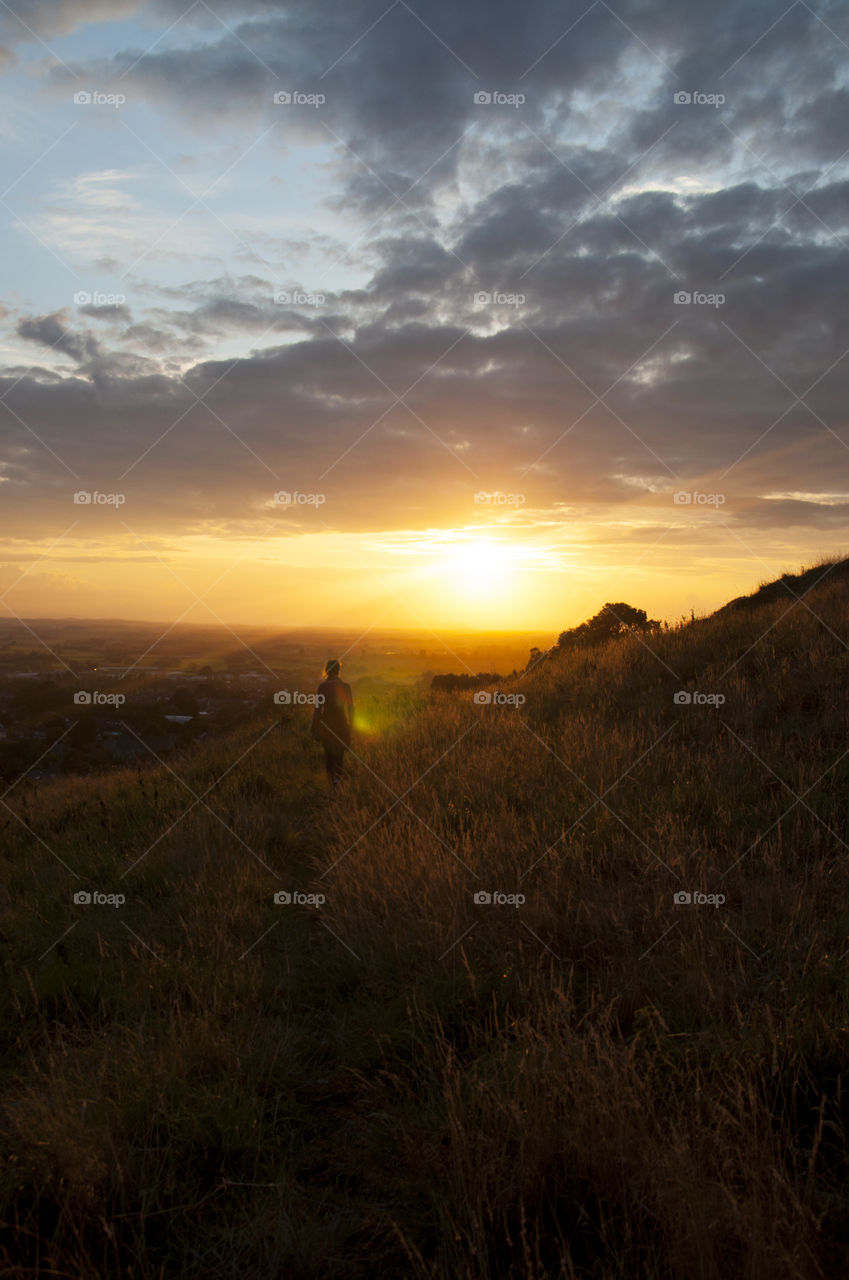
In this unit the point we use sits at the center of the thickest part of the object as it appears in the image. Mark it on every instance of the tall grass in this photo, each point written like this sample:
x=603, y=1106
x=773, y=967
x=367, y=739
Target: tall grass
x=404, y=1081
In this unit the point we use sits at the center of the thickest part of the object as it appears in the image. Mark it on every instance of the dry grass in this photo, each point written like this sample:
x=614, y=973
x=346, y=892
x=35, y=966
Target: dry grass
x=598, y=1083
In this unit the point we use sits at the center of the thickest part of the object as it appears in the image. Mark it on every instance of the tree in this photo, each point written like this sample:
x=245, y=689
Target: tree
x=536, y=655
x=610, y=621
x=451, y=682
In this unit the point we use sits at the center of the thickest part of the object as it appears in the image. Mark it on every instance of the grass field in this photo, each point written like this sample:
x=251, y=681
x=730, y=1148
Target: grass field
x=403, y=1081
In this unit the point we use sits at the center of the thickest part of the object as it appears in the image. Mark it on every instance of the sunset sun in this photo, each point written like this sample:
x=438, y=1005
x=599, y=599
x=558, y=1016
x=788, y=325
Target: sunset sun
x=480, y=566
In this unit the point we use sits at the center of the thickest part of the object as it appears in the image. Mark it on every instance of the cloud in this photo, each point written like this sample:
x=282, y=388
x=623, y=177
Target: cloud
x=52, y=332
x=108, y=311
x=579, y=215
x=30, y=19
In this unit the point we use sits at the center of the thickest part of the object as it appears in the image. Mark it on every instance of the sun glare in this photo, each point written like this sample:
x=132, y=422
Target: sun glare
x=472, y=577
x=480, y=566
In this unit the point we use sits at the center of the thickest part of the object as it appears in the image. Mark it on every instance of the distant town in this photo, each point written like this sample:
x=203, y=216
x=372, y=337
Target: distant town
x=64, y=711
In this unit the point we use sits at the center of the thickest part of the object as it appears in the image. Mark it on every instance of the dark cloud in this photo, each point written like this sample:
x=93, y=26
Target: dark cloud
x=793, y=513
x=587, y=208
x=52, y=332
x=109, y=311
x=400, y=80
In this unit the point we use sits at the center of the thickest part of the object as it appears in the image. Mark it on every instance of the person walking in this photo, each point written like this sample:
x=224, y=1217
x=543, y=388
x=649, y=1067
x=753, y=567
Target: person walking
x=332, y=720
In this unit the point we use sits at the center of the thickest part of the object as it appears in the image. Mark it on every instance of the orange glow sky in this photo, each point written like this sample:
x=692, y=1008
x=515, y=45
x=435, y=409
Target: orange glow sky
x=510, y=359
x=480, y=577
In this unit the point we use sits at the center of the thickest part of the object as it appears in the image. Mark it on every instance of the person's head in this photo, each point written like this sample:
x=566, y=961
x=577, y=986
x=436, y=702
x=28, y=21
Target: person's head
x=332, y=668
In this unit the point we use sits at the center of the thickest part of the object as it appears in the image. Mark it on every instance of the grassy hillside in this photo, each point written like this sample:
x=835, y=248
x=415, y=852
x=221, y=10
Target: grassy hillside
x=791, y=586
x=405, y=1081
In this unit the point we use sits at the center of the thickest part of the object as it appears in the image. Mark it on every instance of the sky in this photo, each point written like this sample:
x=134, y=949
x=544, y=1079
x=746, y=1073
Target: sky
x=419, y=314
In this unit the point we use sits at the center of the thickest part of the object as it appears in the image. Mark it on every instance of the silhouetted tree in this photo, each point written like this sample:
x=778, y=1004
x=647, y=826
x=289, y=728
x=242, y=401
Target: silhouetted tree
x=536, y=655
x=450, y=683
x=611, y=620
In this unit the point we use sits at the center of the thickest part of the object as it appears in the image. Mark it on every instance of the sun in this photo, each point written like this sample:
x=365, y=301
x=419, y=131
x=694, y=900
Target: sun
x=479, y=567
x=473, y=577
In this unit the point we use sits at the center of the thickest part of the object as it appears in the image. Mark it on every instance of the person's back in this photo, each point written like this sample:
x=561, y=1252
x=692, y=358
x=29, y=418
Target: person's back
x=334, y=710
x=332, y=720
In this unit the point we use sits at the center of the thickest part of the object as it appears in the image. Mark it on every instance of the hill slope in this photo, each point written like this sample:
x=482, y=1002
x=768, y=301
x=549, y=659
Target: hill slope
x=791, y=586
x=596, y=1080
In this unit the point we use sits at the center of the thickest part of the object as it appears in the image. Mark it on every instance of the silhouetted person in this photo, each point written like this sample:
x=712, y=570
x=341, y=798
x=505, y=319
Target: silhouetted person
x=332, y=720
